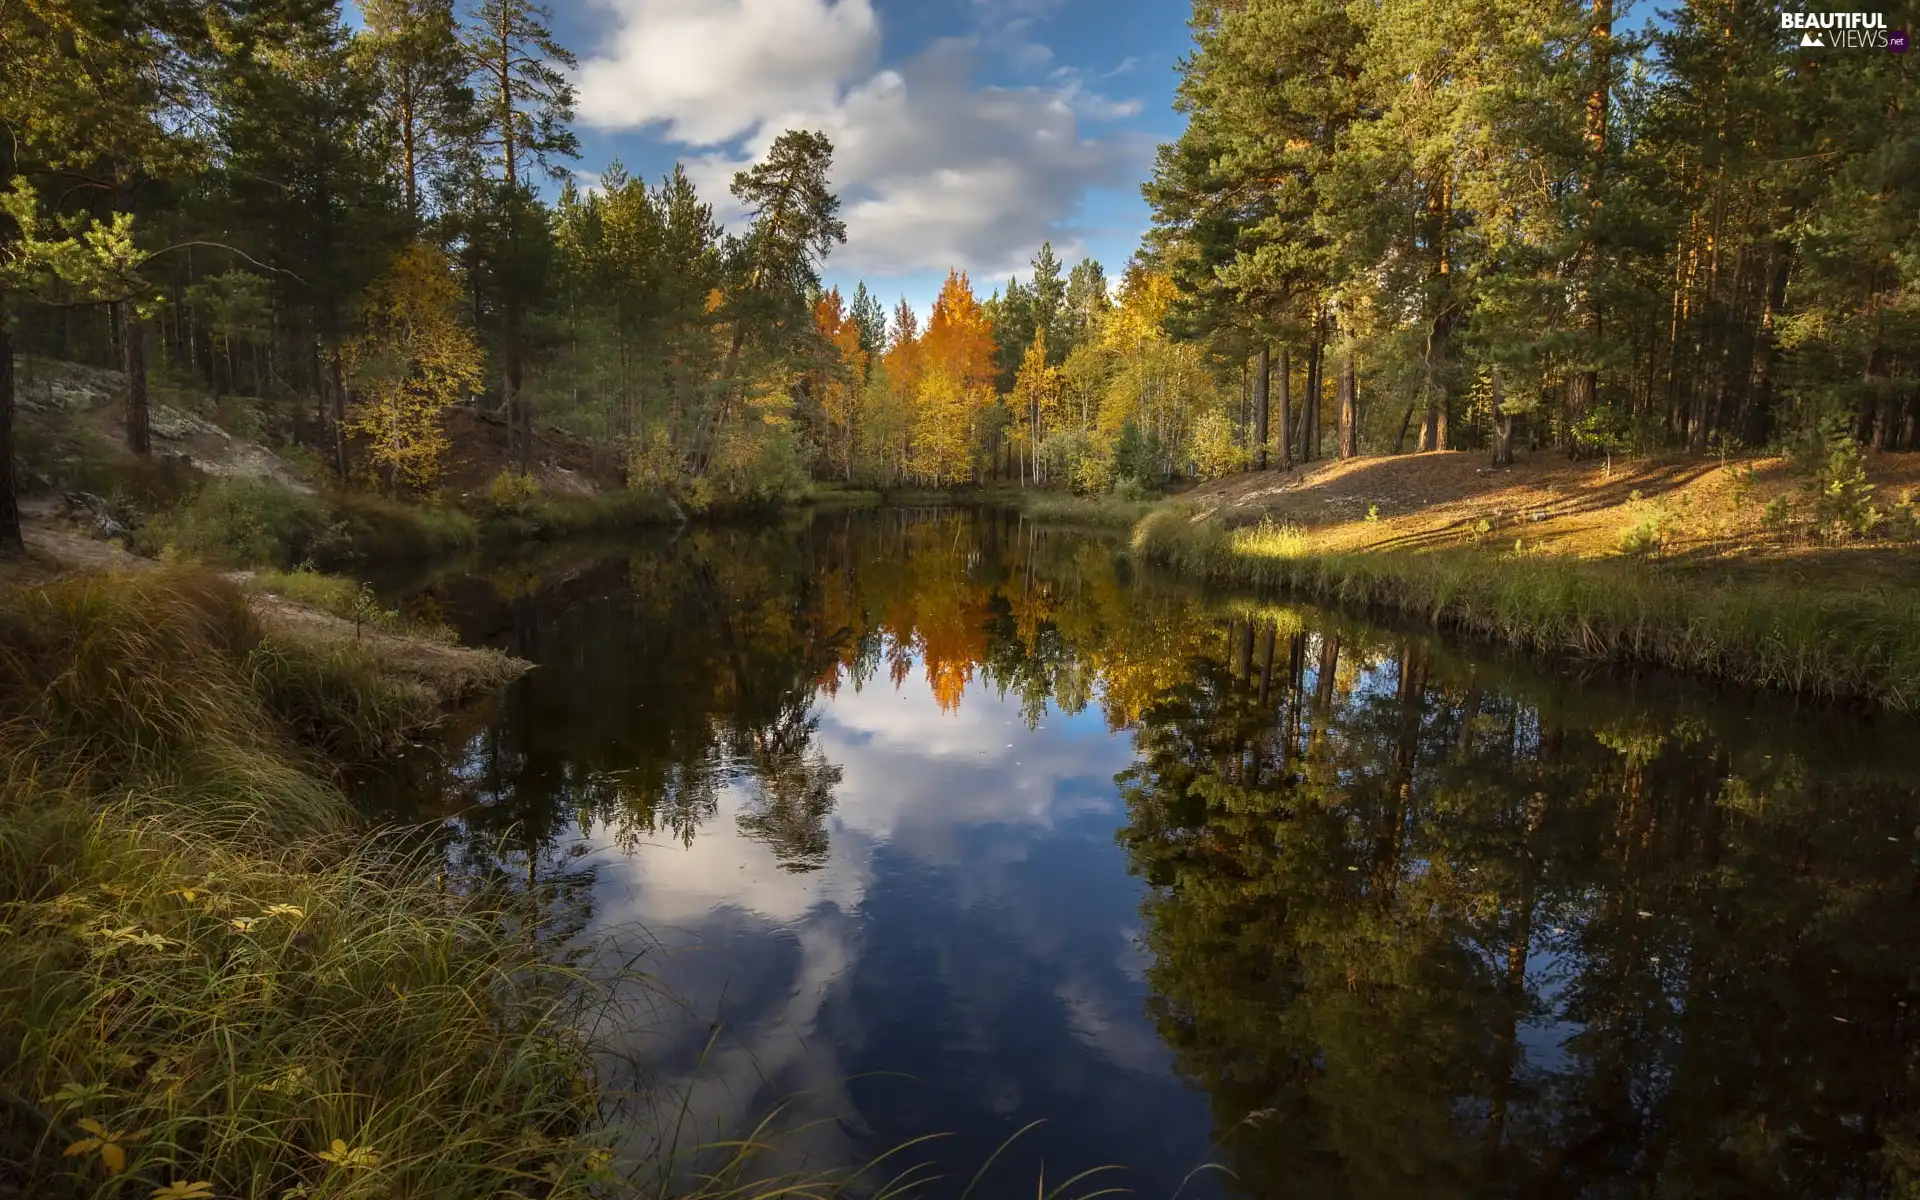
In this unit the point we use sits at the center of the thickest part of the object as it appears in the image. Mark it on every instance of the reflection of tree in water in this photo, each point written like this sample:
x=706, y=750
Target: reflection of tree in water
x=1418, y=927
x=1419, y=937
x=792, y=784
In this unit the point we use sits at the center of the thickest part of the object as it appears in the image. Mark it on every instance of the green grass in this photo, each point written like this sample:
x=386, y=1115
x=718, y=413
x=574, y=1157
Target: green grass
x=837, y=495
x=1855, y=644
x=1068, y=509
x=203, y=954
x=551, y=518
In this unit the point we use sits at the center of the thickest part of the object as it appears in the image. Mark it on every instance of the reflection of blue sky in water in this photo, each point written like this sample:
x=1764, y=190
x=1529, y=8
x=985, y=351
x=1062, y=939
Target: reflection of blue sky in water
x=974, y=928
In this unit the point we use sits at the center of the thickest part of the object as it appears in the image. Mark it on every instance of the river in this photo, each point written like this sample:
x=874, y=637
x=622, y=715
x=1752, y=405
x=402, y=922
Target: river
x=946, y=824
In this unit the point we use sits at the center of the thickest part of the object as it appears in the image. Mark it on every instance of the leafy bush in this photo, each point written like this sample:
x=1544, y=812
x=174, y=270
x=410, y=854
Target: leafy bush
x=1213, y=449
x=240, y=523
x=513, y=492
x=368, y=528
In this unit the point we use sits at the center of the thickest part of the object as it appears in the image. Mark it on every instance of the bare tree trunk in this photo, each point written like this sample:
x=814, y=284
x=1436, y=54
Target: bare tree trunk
x=1285, y=416
x=10, y=540
x=133, y=360
x=1406, y=423
x=1502, y=425
x=1262, y=377
x=337, y=385
x=1310, y=402
x=1349, y=409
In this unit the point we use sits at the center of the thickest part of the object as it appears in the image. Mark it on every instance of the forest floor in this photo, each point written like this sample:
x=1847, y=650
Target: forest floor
x=71, y=438
x=1704, y=512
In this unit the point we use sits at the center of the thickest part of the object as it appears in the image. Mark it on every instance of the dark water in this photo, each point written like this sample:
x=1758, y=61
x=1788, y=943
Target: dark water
x=945, y=824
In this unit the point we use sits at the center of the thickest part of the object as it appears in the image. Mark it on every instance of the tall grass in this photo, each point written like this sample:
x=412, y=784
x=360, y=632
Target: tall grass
x=550, y=517
x=1861, y=644
x=208, y=974
x=237, y=522
x=1068, y=509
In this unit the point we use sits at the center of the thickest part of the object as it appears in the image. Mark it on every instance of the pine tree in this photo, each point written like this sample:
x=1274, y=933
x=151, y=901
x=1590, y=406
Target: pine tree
x=411, y=50
x=523, y=101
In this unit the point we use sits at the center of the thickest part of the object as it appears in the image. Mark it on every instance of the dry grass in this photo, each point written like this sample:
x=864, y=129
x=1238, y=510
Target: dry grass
x=1715, y=512
x=1673, y=564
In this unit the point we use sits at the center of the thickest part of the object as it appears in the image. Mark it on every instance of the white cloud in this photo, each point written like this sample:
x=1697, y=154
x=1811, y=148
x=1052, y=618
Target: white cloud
x=934, y=169
x=711, y=70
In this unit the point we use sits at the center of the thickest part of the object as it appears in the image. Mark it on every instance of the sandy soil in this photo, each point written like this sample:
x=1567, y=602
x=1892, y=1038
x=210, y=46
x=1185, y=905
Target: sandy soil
x=1711, y=510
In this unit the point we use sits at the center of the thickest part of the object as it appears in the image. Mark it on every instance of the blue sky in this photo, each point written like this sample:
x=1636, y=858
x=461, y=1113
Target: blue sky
x=967, y=131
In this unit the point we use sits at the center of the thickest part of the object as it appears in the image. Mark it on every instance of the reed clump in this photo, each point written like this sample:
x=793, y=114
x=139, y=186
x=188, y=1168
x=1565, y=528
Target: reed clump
x=209, y=973
x=1065, y=508
x=1857, y=643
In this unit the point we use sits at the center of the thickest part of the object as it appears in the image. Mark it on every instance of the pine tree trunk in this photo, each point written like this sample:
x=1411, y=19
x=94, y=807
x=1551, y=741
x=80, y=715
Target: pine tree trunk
x=1309, y=434
x=1349, y=409
x=1502, y=426
x=1285, y=415
x=133, y=361
x=10, y=540
x=337, y=385
x=1262, y=378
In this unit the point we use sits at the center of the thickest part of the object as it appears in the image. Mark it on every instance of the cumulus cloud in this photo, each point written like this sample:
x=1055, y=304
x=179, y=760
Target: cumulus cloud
x=935, y=169
x=711, y=70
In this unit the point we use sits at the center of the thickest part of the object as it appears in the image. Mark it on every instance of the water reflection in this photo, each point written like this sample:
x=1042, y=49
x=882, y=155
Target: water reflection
x=951, y=798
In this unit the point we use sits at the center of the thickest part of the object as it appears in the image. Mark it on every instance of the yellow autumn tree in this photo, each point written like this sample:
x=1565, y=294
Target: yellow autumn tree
x=943, y=416
x=956, y=356
x=1035, y=403
x=836, y=383
x=412, y=360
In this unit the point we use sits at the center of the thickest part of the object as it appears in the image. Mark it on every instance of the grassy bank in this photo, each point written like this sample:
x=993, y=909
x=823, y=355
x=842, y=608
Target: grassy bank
x=260, y=524
x=1860, y=643
x=209, y=974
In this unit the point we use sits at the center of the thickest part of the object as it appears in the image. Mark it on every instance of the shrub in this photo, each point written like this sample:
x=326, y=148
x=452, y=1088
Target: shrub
x=240, y=523
x=1649, y=528
x=369, y=528
x=513, y=492
x=1842, y=497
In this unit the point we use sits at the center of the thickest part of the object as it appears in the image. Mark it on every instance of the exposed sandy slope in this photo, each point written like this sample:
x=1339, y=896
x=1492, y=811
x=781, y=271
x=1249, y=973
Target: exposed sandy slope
x=1713, y=510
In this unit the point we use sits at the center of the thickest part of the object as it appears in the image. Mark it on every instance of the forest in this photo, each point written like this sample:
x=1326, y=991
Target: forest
x=1428, y=227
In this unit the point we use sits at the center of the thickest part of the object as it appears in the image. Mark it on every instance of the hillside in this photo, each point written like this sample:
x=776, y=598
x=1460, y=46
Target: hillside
x=1697, y=510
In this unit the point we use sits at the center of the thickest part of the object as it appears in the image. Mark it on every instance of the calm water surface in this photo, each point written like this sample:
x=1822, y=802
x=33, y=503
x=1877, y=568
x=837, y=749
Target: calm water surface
x=942, y=823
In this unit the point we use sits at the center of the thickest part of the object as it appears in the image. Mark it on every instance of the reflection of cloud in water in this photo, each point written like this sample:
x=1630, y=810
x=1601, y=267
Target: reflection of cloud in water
x=1122, y=1038
x=765, y=951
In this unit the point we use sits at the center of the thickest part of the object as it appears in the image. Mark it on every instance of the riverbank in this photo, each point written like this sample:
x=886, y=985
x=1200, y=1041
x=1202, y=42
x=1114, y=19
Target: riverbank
x=210, y=971
x=1730, y=572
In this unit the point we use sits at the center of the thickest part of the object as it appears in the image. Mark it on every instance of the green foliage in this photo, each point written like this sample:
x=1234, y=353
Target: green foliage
x=513, y=493
x=1842, y=498
x=239, y=522
x=1650, y=528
